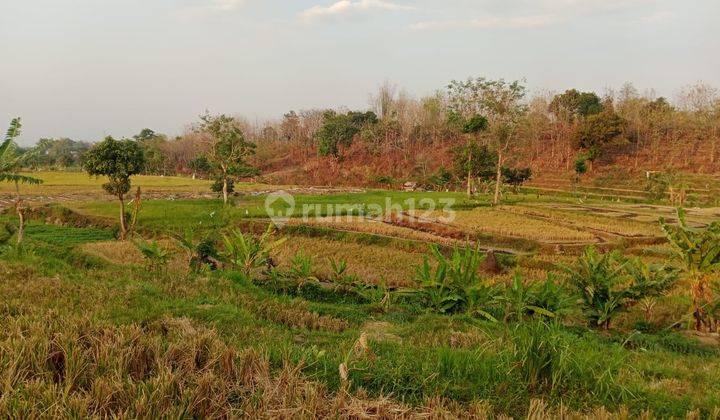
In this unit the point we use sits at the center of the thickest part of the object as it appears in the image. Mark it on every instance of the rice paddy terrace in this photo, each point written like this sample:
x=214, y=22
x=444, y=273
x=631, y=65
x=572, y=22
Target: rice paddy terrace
x=332, y=327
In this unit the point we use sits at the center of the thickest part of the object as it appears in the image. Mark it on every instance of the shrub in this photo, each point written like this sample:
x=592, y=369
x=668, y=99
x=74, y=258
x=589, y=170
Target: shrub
x=301, y=269
x=155, y=255
x=453, y=285
x=608, y=284
x=201, y=254
x=520, y=300
x=248, y=253
x=699, y=252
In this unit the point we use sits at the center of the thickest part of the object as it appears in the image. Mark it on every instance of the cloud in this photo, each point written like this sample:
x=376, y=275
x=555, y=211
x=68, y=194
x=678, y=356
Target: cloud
x=535, y=21
x=210, y=8
x=226, y=5
x=659, y=16
x=348, y=7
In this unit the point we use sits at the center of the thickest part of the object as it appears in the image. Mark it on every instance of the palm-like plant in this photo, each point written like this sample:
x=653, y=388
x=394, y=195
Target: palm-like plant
x=609, y=284
x=247, y=252
x=155, y=255
x=301, y=269
x=201, y=253
x=699, y=252
x=520, y=300
x=10, y=164
x=453, y=284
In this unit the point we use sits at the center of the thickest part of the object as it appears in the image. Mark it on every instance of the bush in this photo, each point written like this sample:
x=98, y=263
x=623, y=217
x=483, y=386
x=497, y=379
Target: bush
x=609, y=284
x=454, y=285
x=217, y=186
x=248, y=253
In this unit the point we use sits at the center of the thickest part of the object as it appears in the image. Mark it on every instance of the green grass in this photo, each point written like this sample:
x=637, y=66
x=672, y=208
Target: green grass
x=414, y=357
x=410, y=354
x=67, y=236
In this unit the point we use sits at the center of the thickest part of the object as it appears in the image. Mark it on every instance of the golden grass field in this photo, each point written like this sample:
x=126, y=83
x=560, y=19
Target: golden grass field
x=87, y=321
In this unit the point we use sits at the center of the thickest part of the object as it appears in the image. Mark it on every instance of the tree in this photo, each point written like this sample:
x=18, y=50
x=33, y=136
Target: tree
x=118, y=161
x=599, y=131
x=474, y=161
x=152, y=144
x=573, y=104
x=340, y=129
x=10, y=164
x=227, y=149
x=501, y=103
x=516, y=176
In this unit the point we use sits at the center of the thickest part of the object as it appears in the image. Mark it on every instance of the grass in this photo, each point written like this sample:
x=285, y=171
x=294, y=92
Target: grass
x=498, y=221
x=410, y=356
x=79, y=183
x=87, y=330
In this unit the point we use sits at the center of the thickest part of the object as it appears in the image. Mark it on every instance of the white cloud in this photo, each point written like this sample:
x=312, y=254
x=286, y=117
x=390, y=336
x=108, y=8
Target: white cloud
x=348, y=7
x=659, y=16
x=588, y=6
x=210, y=8
x=225, y=5
x=536, y=21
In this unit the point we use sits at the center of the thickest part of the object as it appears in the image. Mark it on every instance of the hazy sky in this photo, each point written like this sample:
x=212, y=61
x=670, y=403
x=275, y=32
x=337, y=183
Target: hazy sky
x=87, y=68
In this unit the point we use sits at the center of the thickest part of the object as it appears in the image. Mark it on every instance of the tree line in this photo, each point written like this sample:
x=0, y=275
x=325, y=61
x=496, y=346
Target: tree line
x=449, y=139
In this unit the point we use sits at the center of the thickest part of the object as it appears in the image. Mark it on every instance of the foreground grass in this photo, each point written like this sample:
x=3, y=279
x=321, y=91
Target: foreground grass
x=83, y=336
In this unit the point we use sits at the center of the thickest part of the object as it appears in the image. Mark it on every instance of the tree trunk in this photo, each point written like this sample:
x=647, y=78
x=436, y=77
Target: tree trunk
x=225, y=190
x=469, y=183
x=498, y=180
x=136, y=211
x=21, y=215
x=123, y=228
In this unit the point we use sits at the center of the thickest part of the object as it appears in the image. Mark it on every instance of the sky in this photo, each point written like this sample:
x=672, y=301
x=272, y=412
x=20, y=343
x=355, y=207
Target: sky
x=85, y=69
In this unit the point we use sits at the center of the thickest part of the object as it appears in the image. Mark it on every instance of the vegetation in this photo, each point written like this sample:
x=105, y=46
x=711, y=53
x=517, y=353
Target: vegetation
x=10, y=164
x=698, y=250
x=118, y=161
x=371, y=303
x=227, y=150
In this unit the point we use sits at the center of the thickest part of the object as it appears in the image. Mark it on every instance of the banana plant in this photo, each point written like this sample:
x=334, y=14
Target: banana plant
x=10, y=164
x=609, y=284
x=519, y=299
x=453, y=284
x=301, y=269
x=248, y=253
x=201, y=253
x=699, y=252
x=155, y=255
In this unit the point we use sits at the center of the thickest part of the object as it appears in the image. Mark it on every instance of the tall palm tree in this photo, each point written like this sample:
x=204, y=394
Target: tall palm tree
x=10, y=163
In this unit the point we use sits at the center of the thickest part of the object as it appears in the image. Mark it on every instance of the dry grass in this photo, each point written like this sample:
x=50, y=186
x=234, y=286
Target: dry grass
x=591, y=220
x=115, y=252
x=296, y=315
x=502, y=222
x=375, y=227
x=370, y=262
x=54, y=367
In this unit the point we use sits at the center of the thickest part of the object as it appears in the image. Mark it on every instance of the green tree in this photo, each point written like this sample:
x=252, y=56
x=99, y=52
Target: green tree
x=474, y=161
x=340, y=129
x=573, y=103
x=598, y=131
x=152, y=144
x=501, y=103
x=118, y=161
x=228, y=150
x=516, y=176
x=10, y=164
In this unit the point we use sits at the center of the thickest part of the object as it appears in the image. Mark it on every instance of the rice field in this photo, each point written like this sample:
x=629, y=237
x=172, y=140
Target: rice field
x=506, y=223
x=90, y=328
